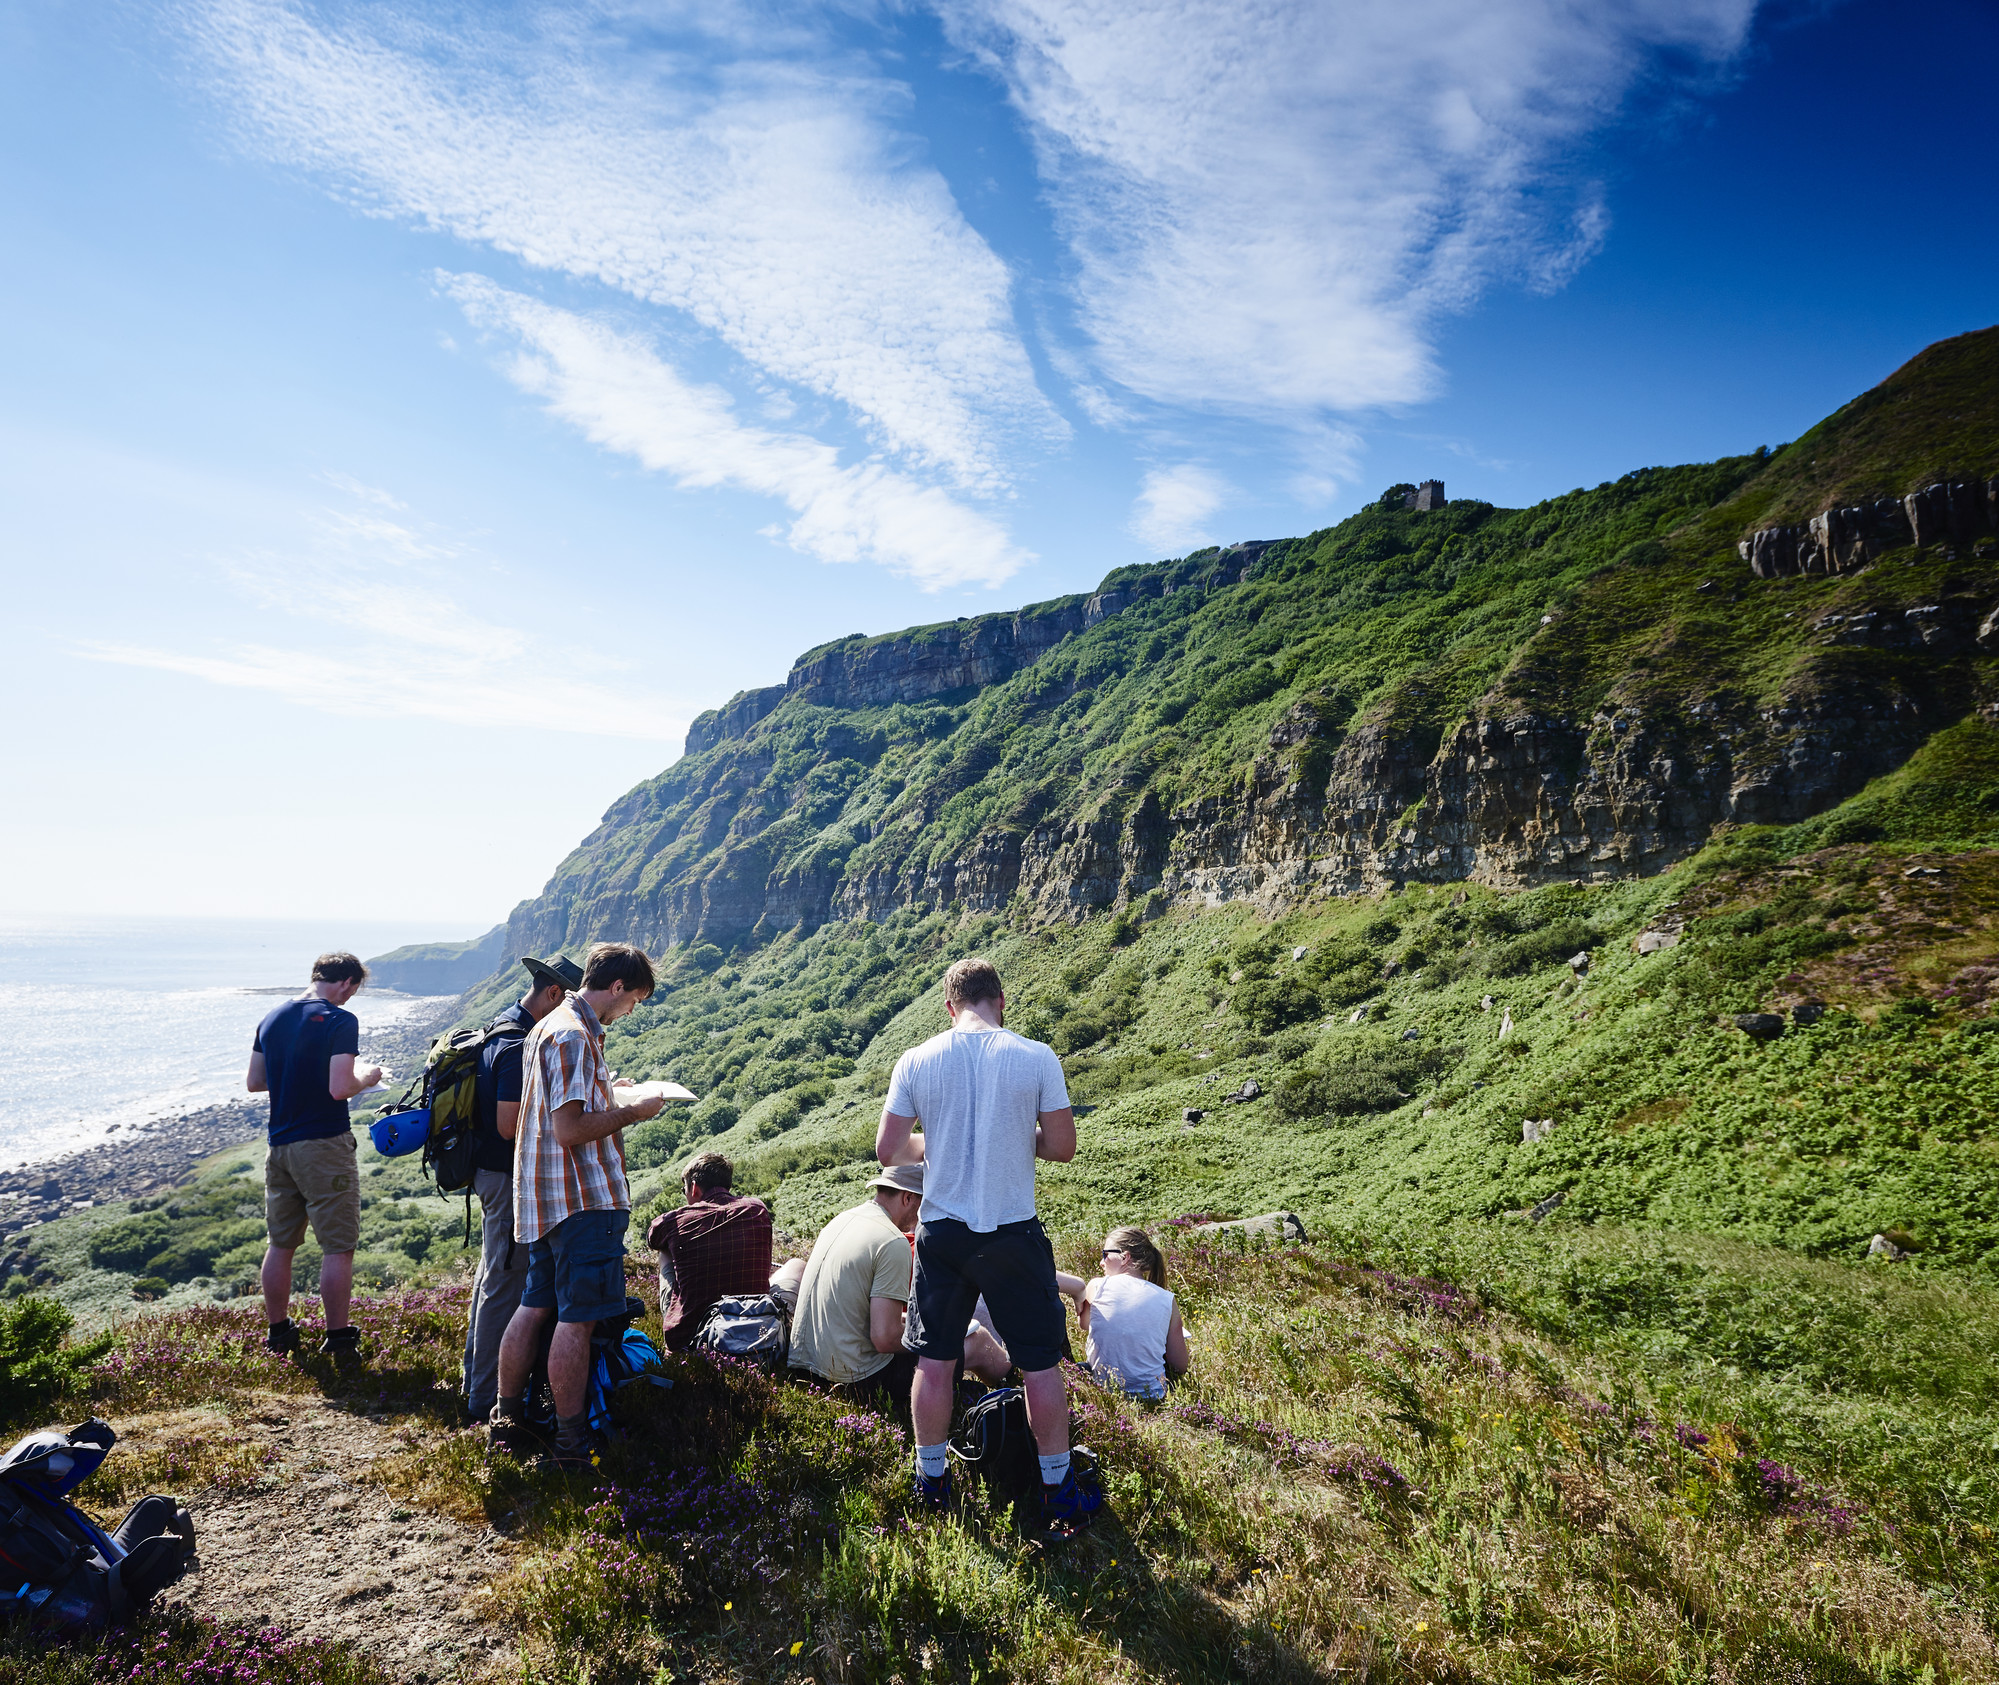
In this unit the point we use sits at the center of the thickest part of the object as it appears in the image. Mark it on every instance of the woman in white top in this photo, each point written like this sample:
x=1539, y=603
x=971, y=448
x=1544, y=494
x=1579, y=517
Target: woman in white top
x=1131, y=1324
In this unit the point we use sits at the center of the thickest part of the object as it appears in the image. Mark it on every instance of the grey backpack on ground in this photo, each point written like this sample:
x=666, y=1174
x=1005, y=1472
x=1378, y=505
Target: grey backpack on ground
x=751, y=1326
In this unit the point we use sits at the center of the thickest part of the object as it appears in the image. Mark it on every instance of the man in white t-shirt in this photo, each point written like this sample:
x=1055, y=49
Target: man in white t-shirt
x=990, y=1103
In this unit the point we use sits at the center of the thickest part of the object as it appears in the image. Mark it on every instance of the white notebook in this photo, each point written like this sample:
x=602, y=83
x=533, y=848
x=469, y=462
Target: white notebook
x=631, y=1093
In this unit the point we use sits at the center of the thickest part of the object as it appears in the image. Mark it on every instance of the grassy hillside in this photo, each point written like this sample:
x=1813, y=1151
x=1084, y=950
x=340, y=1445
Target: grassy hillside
x=1928, y=421
x=1585, y=1371
x=1539, y=1462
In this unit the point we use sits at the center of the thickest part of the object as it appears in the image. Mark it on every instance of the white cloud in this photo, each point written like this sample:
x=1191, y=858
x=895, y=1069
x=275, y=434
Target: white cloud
x=387, y=684
x=1174, y=505
x=754, y=180
x=1271, y=202
x=621, y=395
x=380, y=636
x=364, y=493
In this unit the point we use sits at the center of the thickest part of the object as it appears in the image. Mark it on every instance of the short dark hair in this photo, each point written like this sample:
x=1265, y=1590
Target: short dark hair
x=972, y=979
x=617, y=962
x=338, y=967
x=709, y=1170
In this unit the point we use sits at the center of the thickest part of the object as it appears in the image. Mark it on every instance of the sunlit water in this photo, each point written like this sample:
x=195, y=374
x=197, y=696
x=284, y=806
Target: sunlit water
x=108, y=1021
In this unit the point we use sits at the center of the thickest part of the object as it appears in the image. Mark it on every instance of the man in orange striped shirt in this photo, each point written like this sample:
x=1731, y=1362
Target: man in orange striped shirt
x=571, y=1201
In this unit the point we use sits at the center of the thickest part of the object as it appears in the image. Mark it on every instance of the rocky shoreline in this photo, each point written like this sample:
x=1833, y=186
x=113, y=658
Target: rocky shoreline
x=133, y=1161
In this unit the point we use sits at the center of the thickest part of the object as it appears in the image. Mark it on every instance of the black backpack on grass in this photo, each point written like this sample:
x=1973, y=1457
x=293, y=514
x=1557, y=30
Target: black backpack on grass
x=995, y=1443
x=58, y=1570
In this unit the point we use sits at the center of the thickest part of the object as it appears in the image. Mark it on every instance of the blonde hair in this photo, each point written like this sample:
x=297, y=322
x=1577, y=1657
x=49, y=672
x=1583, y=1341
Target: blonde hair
x=1137, y=1246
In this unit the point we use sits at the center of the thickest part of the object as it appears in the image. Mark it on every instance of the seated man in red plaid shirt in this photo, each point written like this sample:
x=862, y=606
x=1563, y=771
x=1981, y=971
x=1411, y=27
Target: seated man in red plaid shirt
x=714, y=1246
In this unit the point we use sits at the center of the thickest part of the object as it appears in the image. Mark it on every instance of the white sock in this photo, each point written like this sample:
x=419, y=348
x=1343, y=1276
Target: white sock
x=933, y=1460
x=1055, y=1469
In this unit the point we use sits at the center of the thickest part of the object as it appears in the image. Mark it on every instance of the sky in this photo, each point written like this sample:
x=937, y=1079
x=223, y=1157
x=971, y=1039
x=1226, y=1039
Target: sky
x=412, y=416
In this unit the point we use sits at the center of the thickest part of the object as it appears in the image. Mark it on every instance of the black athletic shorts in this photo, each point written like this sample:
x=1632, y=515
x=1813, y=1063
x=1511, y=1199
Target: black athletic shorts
x=1013, y=1266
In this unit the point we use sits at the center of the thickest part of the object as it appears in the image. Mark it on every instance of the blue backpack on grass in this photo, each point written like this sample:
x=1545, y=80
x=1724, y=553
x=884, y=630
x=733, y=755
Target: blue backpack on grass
x=58, y=1569
x=619, y=1356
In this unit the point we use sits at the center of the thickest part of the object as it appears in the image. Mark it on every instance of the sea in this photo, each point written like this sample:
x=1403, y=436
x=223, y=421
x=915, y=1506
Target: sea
x=116, y=1020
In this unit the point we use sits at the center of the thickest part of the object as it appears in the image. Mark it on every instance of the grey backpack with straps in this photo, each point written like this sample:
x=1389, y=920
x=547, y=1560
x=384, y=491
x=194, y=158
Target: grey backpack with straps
x=752, y=1326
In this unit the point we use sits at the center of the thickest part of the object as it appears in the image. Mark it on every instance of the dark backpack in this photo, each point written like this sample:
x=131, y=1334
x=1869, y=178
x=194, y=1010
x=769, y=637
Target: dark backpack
x=60, y=1570
x=995, y=1443
x=450, y=1091
x=619, y=1356
x=753, y=1326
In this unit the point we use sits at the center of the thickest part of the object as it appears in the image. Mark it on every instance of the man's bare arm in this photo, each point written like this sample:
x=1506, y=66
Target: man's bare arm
x=1055, y=1140
x=343, y=1081
x=885, y=1323
x=257, y=1081
x=507, y=1118
x=574, y=1127
x=894, y=1141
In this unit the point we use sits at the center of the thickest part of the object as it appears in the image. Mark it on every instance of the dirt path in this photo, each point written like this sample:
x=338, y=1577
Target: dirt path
x=320, y=1553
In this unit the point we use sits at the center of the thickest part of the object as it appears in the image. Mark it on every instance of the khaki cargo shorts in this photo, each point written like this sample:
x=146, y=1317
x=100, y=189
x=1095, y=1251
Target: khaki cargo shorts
x=317, y=1180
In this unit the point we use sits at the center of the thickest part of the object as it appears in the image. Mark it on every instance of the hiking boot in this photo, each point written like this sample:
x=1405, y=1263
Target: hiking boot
x=1067, y=1509
x=933, y=1491
x=572, y=1459
x=282, y=1338
x=518, y=1439
x=343, y=1345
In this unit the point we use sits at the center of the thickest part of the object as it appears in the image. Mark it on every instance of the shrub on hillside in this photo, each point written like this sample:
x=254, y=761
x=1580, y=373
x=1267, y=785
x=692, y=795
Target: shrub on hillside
x=655, y=1142
x=712, y=1116
x=38, y=1367
x=781, y=1114
x=1361, y=1076
x=1345, y=1091
x=1267, y=1006
x=1549, y=945
x=1076, y=1032
x=127, y=1245
x=1340, y=973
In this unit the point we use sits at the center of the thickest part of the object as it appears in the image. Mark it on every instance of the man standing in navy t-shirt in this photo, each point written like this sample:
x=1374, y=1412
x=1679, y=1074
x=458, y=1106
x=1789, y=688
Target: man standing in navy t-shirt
x=304, y=1055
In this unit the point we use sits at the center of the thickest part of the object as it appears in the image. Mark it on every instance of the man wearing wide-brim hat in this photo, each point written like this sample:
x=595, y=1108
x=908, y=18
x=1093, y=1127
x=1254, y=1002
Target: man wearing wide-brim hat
x=496, y=1289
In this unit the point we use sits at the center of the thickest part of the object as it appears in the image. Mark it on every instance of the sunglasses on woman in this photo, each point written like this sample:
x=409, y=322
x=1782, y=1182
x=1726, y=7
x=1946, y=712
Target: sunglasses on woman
x=1113, y=1252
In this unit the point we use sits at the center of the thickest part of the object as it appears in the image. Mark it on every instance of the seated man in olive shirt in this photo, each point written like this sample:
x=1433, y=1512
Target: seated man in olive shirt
x=715, y=1246
x=847, y=1329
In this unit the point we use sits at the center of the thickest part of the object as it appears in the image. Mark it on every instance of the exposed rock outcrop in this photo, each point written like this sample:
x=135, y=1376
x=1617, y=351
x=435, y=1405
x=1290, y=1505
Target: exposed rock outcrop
x=1286, y=1228
x=967, y=654
x=1843, y=540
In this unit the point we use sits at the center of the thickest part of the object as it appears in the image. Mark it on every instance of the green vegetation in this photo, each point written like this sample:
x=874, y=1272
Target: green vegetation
x=38, y=1365
x=1586, y=1370
x=1568, y=1451
x=1677, y=1429
x=205, y=1241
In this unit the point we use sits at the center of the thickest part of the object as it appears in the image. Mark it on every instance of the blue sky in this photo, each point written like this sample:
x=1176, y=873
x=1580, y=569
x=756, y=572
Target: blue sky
x=410, y=417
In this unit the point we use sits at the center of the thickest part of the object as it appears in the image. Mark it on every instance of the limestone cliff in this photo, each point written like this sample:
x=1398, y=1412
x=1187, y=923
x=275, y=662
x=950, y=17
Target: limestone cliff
x=1583, y=689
